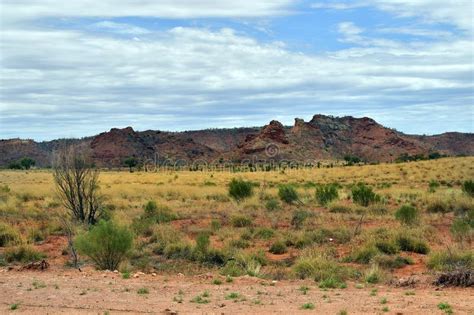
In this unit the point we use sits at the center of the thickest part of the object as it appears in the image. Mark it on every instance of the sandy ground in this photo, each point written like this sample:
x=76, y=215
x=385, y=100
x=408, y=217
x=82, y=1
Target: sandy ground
x=95, y=292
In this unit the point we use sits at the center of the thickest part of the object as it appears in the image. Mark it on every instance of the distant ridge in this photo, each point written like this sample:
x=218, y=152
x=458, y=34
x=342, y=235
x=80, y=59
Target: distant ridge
x=323, y=137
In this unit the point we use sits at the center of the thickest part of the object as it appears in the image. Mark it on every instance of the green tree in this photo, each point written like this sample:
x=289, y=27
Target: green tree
x=131, y=162
x=26, y=163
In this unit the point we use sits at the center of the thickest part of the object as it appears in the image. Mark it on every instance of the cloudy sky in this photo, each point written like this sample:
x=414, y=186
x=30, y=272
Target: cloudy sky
x=77, y=68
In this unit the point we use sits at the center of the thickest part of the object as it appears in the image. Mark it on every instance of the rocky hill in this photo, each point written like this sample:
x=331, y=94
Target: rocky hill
x=323, y=137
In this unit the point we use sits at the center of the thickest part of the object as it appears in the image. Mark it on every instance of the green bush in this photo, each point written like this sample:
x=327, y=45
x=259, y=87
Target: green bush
x=241, y=221
x=264, y=233
x=451, y=260
x=240, y=189
x=387, y=247
x=321, y=268
x=202, y=243
x=326, y=193
x=107, y=244
x=364, y=254
x=288, y=194
x=179, y=250
x=272, y=204
x=278, y=248
x=407, y=215
x=468, y=187
x=408, y=243
x=8, y=235
x=364, y=195
x=23, y=254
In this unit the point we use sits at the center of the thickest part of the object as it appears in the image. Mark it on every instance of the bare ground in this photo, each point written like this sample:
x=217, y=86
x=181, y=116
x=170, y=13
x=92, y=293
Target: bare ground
x=94, y=292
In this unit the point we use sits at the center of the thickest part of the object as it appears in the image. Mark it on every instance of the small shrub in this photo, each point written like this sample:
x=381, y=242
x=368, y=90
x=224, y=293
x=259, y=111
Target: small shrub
x=451, y=260
x=438, y=206
x=461, y=230
x=407, y=215
x=468, y=187
x=387, y=247
x=232, y=269
x=179, y=250
x=202, y=243
x=215, y=225
x=264, y=233
x=158, y=214
x=240, y=189
x=321, y=268
x=299, y=217
x=373, y=275
x=307, y=306
x=143, y=291
x=445, y=307
x=272, y=205
x=288, y=194
x=107, y=244
x=164, y=235
x=408, y=243
x=391, y=262
x=8, y=235
x=22, y=254
x=36, y=235
x=363, y=255
x=241, y=221
x=364, y=195
x=432, y=186
x=278, y=248
x=326, y=193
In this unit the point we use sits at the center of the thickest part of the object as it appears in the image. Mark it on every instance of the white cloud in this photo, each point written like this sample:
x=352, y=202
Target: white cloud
x=121, y=28
x=57, y=82
x=455, y=12
x=351, y=33
x=17, y=10
x=187, y=78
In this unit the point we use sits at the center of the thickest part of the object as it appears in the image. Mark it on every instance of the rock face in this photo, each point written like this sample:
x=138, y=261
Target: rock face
x=323, y=137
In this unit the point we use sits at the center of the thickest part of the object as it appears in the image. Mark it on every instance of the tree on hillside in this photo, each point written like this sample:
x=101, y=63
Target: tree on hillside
x=131, y=162
x=77, y=183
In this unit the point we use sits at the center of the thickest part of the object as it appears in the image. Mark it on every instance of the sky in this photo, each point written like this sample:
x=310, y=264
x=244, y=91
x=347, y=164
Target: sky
x=78, y=68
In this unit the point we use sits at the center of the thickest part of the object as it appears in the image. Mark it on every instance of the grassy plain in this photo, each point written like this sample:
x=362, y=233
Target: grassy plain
x=334, y=246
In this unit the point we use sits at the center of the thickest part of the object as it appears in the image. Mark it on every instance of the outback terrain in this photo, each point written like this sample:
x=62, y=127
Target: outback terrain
x=391, y=238
x=323, y=137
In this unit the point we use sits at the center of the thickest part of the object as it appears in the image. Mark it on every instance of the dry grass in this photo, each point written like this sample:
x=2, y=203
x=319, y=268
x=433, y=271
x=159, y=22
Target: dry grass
x=201, y=197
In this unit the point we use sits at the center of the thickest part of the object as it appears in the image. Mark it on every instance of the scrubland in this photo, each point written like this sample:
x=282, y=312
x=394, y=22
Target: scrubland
x=301, y=240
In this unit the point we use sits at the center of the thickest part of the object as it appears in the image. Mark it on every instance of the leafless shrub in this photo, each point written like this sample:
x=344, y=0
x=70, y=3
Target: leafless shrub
x=77, y=184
